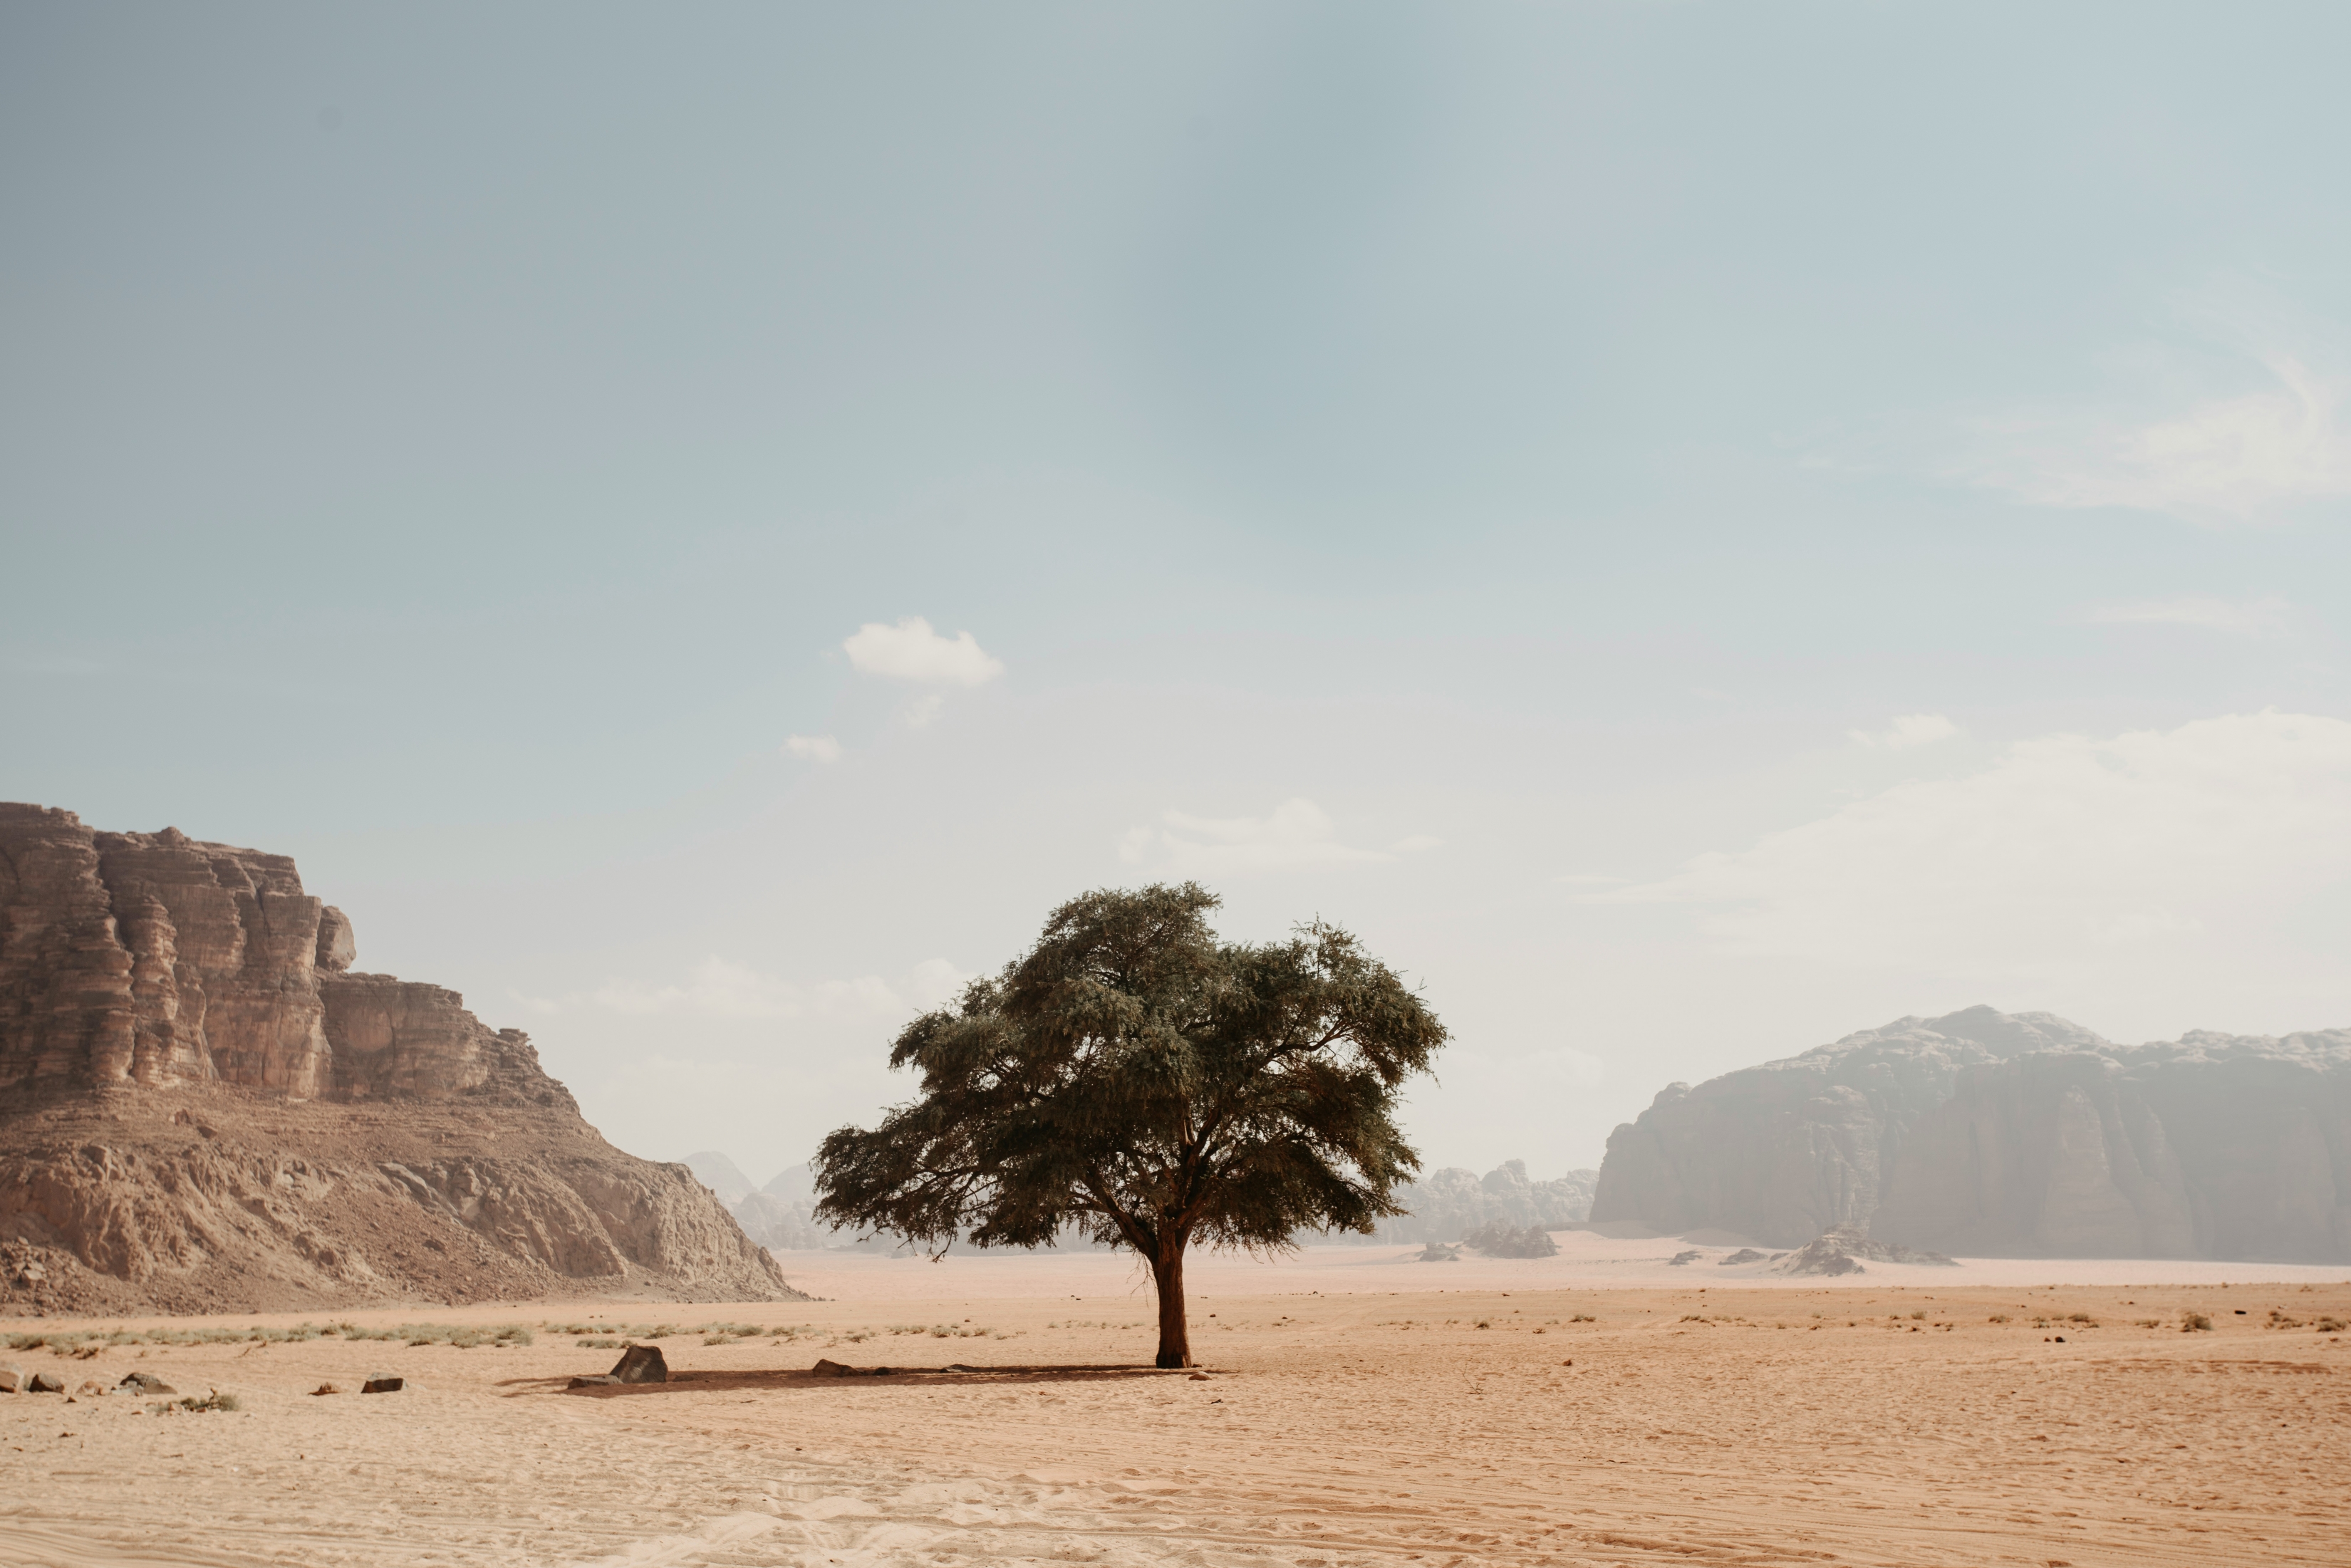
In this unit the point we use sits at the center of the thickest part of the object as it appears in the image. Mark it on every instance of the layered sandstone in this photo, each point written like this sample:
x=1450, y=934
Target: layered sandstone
x=1987, y=1134
x=202, y=1107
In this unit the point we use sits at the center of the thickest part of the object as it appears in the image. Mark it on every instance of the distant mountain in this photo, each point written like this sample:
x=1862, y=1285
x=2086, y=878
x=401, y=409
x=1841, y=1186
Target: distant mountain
x=2009, y=1134
x=1447, y=1205
x=721, y=1175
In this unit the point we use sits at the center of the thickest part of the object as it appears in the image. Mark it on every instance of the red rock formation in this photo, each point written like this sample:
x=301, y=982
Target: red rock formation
x=201, y=1108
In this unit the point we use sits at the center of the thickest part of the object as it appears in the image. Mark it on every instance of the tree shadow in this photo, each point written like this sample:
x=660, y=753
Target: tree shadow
x=807, y=1380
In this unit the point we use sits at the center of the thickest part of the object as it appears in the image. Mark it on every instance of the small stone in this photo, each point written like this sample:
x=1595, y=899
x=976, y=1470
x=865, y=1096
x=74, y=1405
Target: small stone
x=1199, y=1377
x=43, y=1383
x=12, y=1379
x=832, y=1369
x=324, y=1388
x=384, y=1385
x=642, y=1364
x=145, y=1382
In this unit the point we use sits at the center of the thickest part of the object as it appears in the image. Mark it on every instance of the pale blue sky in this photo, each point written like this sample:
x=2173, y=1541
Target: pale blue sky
x=1554, y=443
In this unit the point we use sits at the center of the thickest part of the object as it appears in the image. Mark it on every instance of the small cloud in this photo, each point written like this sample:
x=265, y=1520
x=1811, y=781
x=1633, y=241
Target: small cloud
x=911, y=651
x=1909, y=729
x=1297, y=832
x=2230, y=458
x=2244, y=617
x=815, y=747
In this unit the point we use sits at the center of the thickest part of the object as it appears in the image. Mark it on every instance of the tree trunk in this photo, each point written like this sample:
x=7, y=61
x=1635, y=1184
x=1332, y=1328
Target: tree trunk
x=1174, y=1338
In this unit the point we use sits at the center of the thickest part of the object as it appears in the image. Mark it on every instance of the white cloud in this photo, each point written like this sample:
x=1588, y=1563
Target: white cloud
x=2063, y=850
x=816, y=747
x=2232, y=458
x=911, y=651
x=2245, y=617
x=1909, y=729
x=1298, y=833
x=719, y=988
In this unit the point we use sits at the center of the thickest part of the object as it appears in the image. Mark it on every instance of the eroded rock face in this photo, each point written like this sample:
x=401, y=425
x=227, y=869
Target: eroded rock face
x=1789, y=1150
x=2208, y=1146
x=201, y=1108
x=1996, y=1136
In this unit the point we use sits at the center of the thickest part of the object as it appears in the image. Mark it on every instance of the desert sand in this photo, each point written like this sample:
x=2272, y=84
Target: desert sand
x=1604, y=1406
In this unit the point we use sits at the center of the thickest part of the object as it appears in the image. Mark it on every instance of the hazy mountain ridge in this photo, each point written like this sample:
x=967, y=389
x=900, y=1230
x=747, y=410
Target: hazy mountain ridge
x=1446, y=1205
x=2023, y=1135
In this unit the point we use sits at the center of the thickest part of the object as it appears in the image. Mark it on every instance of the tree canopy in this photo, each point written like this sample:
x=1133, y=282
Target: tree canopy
x=1136, y=1079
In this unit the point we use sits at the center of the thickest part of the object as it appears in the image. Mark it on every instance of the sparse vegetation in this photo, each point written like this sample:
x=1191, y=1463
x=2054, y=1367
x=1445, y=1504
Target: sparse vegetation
x=1997, y=1318
x=215, y=1401
x=2194, y=1323
x=86, y=1342
x=2150, y=1323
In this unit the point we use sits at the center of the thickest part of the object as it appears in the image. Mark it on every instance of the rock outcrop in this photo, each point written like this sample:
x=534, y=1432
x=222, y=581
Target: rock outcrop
x=1984, y=1133
x=1841, y=1251
x=2208, y=1146
x=203, y=1108
x=1789, y=1150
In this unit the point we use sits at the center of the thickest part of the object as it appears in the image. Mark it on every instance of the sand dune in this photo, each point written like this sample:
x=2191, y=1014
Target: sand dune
x=1345, y=1417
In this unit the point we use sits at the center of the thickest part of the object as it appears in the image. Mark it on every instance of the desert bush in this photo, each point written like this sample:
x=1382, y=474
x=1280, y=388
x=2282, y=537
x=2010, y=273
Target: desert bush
x=2150, y=1323
x=1583, y=1318
x=2194, y=1323
x=209, y=1402
x=1997, y=1318
x=2332, y=1325
x=604, y=1343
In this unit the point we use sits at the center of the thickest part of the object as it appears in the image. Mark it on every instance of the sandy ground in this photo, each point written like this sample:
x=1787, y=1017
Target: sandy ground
x=1356, y=1409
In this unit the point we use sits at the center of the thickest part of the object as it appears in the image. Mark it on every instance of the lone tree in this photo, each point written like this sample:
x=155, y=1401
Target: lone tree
x=1134, y=1078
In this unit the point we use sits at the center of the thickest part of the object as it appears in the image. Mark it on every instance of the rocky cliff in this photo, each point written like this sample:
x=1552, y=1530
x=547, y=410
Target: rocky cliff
x=2208, y=1146
x=203, y=1108
x=1986, y=1134
x=1785, y=1150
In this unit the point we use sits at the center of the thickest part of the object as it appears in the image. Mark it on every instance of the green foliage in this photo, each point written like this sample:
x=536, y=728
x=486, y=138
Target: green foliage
x=1135, y=1080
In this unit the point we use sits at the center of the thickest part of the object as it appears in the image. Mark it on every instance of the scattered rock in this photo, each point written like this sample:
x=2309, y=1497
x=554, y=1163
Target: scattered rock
x=145, y=1382
x=322, y=1388
x=1681, y=1258
x=1841, y=1249
x=642, y=1364
x=43, y=1383
x=384, y=1385
x=832, y=1369
x=91, y=1388
x=1199, y=1377
x=1744, y=1255
x=12, y=1379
